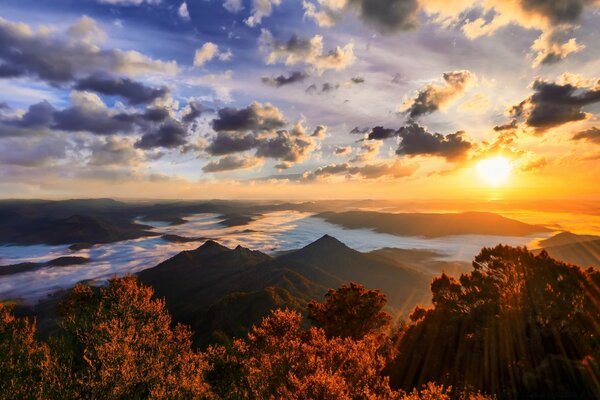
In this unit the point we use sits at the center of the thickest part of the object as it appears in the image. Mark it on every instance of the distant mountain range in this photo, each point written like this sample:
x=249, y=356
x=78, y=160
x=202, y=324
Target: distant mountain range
x=583, y=250
x=94, y=221
x=432, y=224
x=220, y=290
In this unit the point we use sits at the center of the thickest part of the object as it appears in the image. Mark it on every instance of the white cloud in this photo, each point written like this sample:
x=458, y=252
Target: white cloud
x=261, y=9
x=233, y=6
x=209, y=51
x=183, y=11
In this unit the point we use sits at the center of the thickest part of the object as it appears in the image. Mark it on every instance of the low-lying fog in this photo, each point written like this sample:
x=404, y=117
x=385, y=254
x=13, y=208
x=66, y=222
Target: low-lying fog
x=270, y=233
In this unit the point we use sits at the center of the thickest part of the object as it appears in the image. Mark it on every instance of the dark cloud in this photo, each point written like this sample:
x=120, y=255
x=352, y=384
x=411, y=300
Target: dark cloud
x=506, y=127
x=591, y=135
x=38, y=115
x=10, y=71
x=227, y=143
x=555, y=104
x=98, y=121
x=155, y=114
x=387, y=16
x=359, y=131
x=134, y=92
x=558, y=11
x=381, y=133
x=282, y=80
x=433, y=96
x=255, y=117
x=60, y=58
x=394, y=169
x=357, y=80
x=329, y=87
x=257, y=127
x=230, y=163
x=169, y=135
x=285, y=147
x=193, y=111
x=418, y=141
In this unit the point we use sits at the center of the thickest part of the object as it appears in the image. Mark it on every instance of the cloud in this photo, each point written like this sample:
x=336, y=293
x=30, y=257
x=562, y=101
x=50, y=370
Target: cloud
x=183, y=12
x=288, y=146
x=34, y=152
x=169, y=135
x=385, y=16
x=308, y=51
x=261, y=9
x=256, y=117
x=207, y=52
x=368, y=152
x=343, y=151
x=550, y=17
x=112, y=151
x=390, y=169
x=555, y=104
x=512, y=125
x=225, y=143
x=381, y=133
x=416, y=140
x=89, y=113
x=194, y=110
x=56, y=58
x=232, y=162
x=260, y=127
x=134, y=92
x=282, y=80
x=591, y=135
x=435, y=97
x=233, y=6
x=549, y=49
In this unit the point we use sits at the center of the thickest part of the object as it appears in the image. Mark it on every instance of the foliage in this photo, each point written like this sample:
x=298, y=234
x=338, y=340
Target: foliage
x=278, y=359
x=118, y=344
x=350, y=312
x=519, y=325
x=26, y=368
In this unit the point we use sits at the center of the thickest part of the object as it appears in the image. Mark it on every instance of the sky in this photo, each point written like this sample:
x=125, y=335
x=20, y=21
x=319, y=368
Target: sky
x=289, y=99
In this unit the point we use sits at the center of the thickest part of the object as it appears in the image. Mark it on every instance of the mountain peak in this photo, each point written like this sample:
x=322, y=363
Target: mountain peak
x=210, y=246
x=327, y=242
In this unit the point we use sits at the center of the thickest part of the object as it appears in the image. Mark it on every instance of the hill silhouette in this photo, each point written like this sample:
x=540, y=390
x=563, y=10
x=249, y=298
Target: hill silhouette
x=220, y=290
x=432, y=224
x=582, y=250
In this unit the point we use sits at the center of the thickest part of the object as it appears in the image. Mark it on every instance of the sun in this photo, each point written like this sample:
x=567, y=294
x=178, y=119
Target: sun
x=494, y=171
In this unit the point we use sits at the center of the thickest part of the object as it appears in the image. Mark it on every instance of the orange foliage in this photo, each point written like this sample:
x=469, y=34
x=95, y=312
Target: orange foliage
x=280, y=360
x=119, y=344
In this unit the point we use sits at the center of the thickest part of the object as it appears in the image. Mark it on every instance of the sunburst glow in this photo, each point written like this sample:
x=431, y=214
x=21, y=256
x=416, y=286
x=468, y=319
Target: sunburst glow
x=494, y=171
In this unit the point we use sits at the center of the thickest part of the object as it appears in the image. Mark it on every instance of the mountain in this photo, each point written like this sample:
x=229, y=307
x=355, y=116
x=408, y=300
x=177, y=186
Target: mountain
x=583, y=250
x=72, y=229
x=210, y=287
x=431, y=224
x=332, y=263
x=218, y=290
x=566, y=238
x=30, y=266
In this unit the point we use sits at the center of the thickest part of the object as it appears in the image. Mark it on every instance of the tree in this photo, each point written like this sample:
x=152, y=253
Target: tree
x=117, y=343
x=518, y=325
x=26, y=368
x=280, y=360
x=350, y=312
